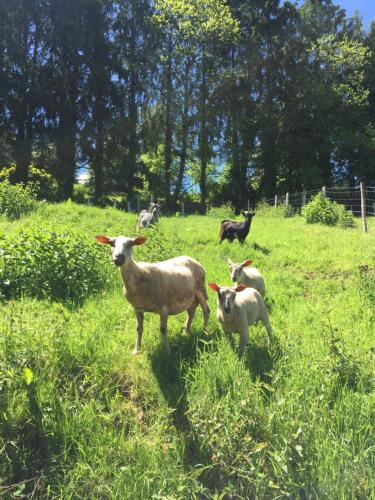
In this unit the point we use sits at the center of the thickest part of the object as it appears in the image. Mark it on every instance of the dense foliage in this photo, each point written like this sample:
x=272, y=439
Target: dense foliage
x=321, y=209
x=238, y=99
x=16, y=200
x=45, y=264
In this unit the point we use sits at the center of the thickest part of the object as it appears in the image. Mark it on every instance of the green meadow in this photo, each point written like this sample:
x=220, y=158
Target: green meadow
x=80, y=417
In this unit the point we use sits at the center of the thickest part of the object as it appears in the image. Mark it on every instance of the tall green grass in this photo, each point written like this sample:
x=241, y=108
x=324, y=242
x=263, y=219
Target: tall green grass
x=80, y=416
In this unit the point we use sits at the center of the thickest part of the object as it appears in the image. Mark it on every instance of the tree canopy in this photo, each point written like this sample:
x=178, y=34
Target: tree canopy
x=240, y=98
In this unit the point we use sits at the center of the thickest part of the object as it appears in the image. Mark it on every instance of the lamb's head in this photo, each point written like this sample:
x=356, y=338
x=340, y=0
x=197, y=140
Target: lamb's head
x=236, y=270
x=248, y=215
x=121, y=247
x=226, y=296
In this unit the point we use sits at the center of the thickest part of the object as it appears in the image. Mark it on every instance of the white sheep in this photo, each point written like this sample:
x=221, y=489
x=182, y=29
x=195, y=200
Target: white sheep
x=165, y=288
x=148, y=217
x=249, y=276
x=237, y=309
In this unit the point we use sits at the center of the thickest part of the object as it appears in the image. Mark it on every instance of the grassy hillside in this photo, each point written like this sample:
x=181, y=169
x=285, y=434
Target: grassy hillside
x=81, y=417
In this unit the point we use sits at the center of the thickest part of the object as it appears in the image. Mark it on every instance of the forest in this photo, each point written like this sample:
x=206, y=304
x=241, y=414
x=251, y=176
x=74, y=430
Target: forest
x=217, y=101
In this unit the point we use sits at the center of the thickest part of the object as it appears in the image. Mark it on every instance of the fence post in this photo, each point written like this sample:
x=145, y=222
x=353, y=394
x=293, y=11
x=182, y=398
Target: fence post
x=138, y=204
x=275, y=200
x=287, y=200
x=324, y=191
x=363, y=206
x=129, y=206
x=304, y=196
x=152, y=198
x=114, y=203
x=183, y=209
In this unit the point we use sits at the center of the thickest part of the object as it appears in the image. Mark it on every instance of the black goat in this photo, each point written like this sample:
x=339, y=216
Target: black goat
x=230, y=229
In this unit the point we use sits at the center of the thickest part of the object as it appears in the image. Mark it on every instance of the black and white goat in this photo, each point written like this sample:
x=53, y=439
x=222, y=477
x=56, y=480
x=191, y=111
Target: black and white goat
x=230, y=229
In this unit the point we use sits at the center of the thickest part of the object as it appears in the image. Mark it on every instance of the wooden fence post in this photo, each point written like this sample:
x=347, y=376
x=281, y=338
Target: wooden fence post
x=129, y=206
x=363, y=206
x=275, y=200
x=114, y=203
x=138, y=206
x=287, y=200
x=152, y=198
x=324, y=191
x=304, y=196
x=183, y=209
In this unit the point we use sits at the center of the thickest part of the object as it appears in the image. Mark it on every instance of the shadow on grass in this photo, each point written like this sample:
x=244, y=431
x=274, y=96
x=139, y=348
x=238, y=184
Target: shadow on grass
x=260, y=360
x=264, y=250
x=170, y=371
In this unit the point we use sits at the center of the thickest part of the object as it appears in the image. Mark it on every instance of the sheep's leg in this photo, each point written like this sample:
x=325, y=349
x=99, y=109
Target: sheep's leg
x=191, y=313
x=231, y=340
x=244, y=338
x=266, y=322
x=201, y=296
x=139, y=316
x=163, y=330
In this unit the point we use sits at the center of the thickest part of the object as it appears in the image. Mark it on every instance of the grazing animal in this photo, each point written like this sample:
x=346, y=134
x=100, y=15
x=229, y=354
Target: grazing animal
x=249, y=276
x=239, y=307
x=148, y=217
x=165, y=288
x=230, y=229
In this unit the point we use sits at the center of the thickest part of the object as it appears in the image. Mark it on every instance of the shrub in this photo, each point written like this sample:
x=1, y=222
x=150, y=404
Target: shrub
x=321, y=209
x=223, y=212
x=42, y=263
x=16, y=200
x=42, y=183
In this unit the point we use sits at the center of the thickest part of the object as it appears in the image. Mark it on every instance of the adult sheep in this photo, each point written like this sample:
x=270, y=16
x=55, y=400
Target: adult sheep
x=165, y=288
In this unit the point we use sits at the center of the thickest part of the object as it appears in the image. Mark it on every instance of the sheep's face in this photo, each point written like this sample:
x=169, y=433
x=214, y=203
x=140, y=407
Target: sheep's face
x=226, y=296
x=236, y=270
x=121, y=247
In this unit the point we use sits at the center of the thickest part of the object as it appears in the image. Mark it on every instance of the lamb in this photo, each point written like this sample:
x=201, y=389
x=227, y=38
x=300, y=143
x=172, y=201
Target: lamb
x=250, y=276
x=165, y=288
x=239, y=307
x=148, y=217
x=230, y=229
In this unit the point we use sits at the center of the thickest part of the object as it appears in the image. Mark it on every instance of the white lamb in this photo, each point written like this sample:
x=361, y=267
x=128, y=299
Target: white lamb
x=237, y=309
x=249, y=276
x=165, y=288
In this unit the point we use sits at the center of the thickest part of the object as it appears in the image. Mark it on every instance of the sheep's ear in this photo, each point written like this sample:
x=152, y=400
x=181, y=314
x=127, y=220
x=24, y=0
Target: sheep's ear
x=246, y=263
x=139, y=240
x=230, y=262
x=104, y=240
x=214, y=286
x=239, y=288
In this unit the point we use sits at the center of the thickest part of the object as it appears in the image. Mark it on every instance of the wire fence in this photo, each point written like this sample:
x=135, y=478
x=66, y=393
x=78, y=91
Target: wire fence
x=349, y=197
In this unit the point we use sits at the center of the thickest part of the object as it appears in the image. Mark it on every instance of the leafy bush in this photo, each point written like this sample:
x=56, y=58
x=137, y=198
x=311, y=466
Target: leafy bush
x=42, y=183
x=223, y=212
x=16, y=200
x=42, y=263
x=321, y=209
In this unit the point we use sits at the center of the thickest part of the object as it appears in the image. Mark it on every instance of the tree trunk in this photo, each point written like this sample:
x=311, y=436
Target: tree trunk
x=65, y=148
x=184, y=138
x=168, y=128
x=98, y=158
x=203, y=137
x=133, y=115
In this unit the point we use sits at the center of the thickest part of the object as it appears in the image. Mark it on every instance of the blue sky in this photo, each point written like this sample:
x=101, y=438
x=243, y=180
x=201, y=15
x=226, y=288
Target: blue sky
x=366, y=9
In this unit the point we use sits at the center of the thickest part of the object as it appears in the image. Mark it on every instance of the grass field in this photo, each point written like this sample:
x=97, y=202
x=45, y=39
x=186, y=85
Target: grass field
x=80, y=417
